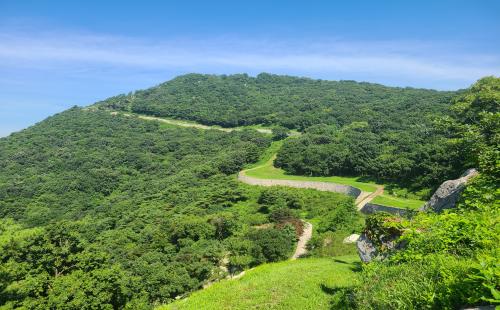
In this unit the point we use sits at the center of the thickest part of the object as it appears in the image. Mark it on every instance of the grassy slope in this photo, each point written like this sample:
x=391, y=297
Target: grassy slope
x=264, y=169
x=398, y=202
x=301, y=284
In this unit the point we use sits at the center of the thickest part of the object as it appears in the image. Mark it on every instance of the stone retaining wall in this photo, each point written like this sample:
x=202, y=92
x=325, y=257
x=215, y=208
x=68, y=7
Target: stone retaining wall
x=322, y=186
x=371, y=208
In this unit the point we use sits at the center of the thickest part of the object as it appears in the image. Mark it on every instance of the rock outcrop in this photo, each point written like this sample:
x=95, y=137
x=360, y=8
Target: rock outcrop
x=446, y=196
x=371, y=208
x=366, y=249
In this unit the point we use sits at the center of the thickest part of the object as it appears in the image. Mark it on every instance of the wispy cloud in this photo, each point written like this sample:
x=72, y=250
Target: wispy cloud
x=44, y=72
x=417, y=60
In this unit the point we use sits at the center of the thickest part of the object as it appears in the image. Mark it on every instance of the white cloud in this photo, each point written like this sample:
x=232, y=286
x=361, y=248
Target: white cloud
x=407, y=60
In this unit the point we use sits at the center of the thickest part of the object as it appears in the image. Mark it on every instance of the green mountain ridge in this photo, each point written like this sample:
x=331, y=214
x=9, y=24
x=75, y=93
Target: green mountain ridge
x=296, y=103
x=103, y=210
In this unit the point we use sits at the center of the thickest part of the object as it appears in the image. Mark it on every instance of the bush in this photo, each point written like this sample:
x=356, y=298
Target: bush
x=275, y=244
x=279, y=197
x=436, y=283
x=330, y=244
x=463, y=234
x=342, y=217
x=280, y=133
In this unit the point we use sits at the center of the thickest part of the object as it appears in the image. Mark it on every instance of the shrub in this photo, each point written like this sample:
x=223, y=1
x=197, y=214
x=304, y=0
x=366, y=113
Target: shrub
x=436, y=283
x=280, y=133
x=341, y=217
x=280, y=197
x=330, y=244
x=275, y=244
x=285, y=216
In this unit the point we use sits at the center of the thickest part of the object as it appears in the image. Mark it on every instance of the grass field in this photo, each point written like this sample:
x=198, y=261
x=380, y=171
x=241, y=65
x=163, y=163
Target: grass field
x=398, y=202
x=264, y=169
x=302, y=284
x=267, y=158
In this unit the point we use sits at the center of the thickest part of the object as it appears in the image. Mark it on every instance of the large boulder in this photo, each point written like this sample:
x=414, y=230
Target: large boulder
x=446, y=196
x=366, y=249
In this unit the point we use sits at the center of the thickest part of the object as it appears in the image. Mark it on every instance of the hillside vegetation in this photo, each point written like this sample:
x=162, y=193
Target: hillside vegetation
x=451, y=259
x=137, y=212
x=99, y=210
x=108, y=211
x=296, y=103
x=301, y=284
x=385, y=134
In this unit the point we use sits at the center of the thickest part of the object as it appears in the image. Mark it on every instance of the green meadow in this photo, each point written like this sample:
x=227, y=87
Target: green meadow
x=308, y=283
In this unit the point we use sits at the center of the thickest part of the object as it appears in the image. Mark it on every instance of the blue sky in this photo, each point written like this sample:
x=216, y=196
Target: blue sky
x=56, y=54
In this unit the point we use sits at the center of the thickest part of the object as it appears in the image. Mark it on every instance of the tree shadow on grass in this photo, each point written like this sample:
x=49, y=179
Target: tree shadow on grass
x=342, y=297
x=355, y=266
x=330, y=290
x=341, y=261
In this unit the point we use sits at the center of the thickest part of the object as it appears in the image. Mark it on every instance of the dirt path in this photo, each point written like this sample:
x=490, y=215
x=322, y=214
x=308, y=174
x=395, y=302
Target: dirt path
x=363, y=201
x=188, y=124
x=303, y=239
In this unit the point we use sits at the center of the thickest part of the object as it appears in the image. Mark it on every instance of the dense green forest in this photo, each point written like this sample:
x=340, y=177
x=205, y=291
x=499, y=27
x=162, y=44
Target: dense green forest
x=107, y=211
x=292, y=102
x=101, y=210
x=387, y=134
x=417, y=157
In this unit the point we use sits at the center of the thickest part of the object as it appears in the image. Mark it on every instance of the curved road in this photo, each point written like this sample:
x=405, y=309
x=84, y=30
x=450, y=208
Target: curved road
x=361, y=200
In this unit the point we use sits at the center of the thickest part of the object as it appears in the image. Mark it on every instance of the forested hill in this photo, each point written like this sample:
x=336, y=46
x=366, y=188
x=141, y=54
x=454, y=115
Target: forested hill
x=293, y=102
x=103, y=210
x=387, y=134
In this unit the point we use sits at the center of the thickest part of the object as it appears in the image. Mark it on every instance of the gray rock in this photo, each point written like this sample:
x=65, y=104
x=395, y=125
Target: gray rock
x=366, y=249
x=371, y=208
x=368, y=252
x=447, y=194
x=445, y=197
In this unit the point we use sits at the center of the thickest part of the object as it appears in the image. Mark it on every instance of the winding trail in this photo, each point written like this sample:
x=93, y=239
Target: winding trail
x=303, y=240
x=362, y=198
x=181, y=123
x=361, y=201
